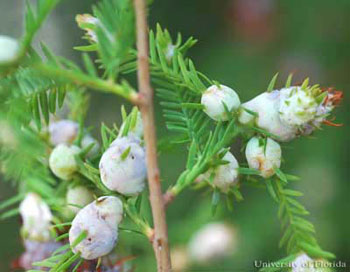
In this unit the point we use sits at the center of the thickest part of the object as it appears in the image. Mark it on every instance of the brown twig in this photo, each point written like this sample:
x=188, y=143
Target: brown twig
x=168, y=197
x=160, y=241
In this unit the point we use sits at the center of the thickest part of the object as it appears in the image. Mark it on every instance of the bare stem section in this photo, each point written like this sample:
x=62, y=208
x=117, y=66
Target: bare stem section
x=160, y=240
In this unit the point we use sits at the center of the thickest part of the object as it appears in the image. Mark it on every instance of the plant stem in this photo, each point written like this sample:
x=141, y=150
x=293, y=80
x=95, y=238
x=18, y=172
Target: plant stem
x=89, y=82
x=189, y=176
x=160, y=241
x=143, y=225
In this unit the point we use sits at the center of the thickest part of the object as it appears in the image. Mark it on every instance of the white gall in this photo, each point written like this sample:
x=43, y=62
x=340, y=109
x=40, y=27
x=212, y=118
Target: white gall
x=297, y=106
x=223, y=176
x=212, y=241
x=9, y=48
x=78, y=197
x=99, y=220
x=62, y=161
x=36, y=217
x=123, y=167
x=214, y=98
x=63, y=132
x=263, y=155
x=266, y=107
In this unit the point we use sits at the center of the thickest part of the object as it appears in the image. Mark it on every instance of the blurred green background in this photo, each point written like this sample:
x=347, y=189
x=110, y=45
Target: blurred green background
x=242, y=43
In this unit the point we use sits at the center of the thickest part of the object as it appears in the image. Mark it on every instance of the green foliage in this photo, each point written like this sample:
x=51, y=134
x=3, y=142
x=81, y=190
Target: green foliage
x=272, y=83
x=108, y=135
x=34, y=18
x=168, y=60
x=213, y=151
x=21, y=143
x=42, y=95
x=115, y=33
x=129, y=121
x=111, y=32
x=180, y=88
x=298, y=233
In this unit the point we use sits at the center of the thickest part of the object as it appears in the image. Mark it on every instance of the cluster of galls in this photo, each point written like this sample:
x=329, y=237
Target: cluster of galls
x=62, y=136
x=99, y=220
x=290, y=112
x=36, y=231
x=284, y=114
x=122, y=167
x=123, y=170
